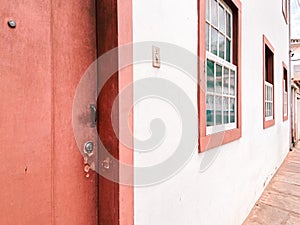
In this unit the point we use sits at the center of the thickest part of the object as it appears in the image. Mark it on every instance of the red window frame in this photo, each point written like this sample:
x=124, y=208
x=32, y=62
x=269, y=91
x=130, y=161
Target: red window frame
x=285, y=10
x=214, y=140
x=285, y=88
x=266, y=43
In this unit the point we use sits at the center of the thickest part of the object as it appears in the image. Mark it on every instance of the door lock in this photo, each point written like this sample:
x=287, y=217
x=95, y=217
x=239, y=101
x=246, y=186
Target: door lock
x=89, y=147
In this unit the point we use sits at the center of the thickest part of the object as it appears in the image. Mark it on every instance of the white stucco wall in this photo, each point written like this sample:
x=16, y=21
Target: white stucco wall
x=226, y=191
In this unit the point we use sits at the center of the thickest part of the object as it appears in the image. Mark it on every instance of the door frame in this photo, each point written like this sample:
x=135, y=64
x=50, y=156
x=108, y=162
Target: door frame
x=114, y=29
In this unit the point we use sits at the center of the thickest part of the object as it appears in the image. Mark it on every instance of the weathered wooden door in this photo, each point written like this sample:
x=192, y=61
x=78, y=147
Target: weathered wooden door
x=25, y=113
x=42, y=59
x=45, y=48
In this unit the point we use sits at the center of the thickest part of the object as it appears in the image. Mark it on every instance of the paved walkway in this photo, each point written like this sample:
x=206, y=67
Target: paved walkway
x=280, y=202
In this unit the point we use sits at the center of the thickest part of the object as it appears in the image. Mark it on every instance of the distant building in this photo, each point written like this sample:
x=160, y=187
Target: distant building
x=295, y=95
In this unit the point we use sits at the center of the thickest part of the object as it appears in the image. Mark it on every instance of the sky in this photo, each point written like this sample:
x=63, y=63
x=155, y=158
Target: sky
x=295, y=17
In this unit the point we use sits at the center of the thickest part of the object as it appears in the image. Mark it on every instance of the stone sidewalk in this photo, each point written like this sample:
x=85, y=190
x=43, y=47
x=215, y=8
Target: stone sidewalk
x=280, y=202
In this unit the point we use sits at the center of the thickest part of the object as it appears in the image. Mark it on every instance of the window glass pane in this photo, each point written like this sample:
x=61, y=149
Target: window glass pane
x=210, y=71
x=226, y=81
x=271, y=94
x=268, y=90
x=221, y=45
x=228, y=50
x=228, y=24
x=207, y=10
x=269, y=109
x=207, y=37
x=218, y=110
x=232, y=110
x=232, y=82
x=221, y=18
x=285, y=103
x=209, y=110
x=266, y=109
x=225, y=110
x=219, y=79
x=214, y=13
x=214, y=41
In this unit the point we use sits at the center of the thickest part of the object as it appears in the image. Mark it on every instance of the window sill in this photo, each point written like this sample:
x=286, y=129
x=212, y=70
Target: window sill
x=269, y=123
x=218, y=139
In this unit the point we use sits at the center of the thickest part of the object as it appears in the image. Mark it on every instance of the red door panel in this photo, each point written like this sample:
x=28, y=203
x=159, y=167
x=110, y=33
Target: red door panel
x=42, y=60
x=25, y=113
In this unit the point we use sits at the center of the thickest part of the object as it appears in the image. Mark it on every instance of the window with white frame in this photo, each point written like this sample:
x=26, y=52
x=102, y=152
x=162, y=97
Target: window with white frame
x=269, y=83
x=221, y=73
x=285, y=10
x=268, y=101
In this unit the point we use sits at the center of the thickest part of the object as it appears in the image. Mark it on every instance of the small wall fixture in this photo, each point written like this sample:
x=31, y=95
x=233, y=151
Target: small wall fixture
x=155, y=57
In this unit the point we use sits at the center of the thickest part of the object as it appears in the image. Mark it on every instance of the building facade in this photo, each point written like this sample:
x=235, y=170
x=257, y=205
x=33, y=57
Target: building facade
x=220, y=184
x=192, y=110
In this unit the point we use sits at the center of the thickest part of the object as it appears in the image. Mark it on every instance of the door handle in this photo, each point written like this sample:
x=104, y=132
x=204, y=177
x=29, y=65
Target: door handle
x=94, y=115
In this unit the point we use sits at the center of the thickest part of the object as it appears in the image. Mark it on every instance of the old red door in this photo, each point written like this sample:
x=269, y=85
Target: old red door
x=42, y=60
